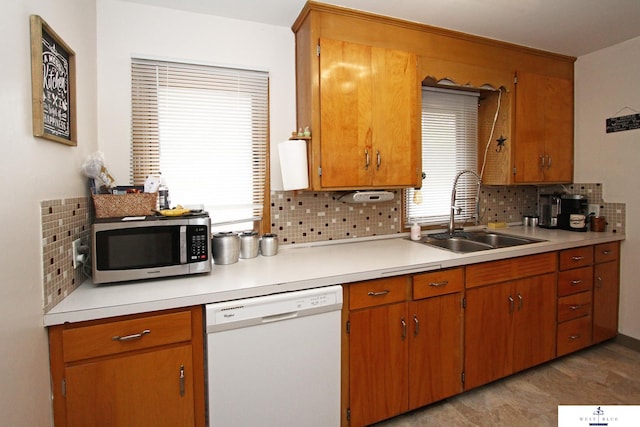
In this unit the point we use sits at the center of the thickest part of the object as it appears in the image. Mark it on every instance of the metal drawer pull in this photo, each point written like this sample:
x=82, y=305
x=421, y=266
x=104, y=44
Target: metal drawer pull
x=520, y=302
x=575, y=282
x=606, y=252
x=132, y=336
x=378, y=294
x=577, y=258
x=575, y=307
x=417, y=325
x=436, y=284
x=574, y=337
x=181, y=380
x=404, y=328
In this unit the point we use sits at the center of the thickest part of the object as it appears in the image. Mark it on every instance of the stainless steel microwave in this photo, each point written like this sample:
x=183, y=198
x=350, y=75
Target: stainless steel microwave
x=123, y=250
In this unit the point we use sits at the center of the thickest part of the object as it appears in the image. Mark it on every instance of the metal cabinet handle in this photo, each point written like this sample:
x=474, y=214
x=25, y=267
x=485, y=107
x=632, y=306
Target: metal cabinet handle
x=378, y=294
x=541, y=161
x=403, y=323
x=606, y=252
x=437, y=284
x=548, y=162
x=131, y=337
x=577, y=258
x=416, y=325
x=519, y=302
x=511, y=301
x=366, y=159
x=576, y=282
x=599, y=282
x=575, y=307
x=181, y=380
x=378, y=160
x=574, y=337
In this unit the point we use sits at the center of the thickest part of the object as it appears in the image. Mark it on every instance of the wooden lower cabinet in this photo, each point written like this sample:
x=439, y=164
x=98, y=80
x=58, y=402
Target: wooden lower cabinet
x=435, y=349
x=407, y=354
x=606, y=291
x=378, y=373
x=509, y=327
x=142, y=370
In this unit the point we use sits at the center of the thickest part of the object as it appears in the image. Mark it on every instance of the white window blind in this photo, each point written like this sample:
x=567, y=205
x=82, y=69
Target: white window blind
x=205, y=129
x=449, y=145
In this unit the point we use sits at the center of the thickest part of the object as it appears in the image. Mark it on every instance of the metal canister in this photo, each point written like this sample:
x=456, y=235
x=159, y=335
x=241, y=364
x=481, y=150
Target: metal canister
x=530, y=220
x=225, y=247
x=269, y=244
x=249, y=244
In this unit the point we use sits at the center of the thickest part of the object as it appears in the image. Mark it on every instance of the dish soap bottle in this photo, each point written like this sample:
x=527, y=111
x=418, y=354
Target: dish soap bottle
x=415, y=231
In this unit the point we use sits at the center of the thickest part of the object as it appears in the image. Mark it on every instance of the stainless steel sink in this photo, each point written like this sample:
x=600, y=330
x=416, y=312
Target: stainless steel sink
x=473, y=241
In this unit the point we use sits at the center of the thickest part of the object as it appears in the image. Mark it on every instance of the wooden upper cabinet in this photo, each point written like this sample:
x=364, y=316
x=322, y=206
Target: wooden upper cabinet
x=543, y=143
x=369, y=110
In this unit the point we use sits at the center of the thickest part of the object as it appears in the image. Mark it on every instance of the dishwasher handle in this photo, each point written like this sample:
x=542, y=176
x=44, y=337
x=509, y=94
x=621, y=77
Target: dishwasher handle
x=279, y=317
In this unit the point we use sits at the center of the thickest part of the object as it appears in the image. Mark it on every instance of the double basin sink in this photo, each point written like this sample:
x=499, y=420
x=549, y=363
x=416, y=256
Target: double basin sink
x=474, y=241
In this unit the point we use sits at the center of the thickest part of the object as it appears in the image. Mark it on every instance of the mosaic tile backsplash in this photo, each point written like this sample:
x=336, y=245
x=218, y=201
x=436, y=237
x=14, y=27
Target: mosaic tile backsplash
x=63, y=221
x=302, y=217
x=297, y=217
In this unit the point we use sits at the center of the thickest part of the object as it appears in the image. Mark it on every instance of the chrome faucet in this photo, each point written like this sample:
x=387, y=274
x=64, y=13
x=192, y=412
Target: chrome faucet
x=451, y=227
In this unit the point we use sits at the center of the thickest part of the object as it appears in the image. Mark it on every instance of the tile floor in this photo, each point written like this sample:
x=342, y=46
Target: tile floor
x=606, y=374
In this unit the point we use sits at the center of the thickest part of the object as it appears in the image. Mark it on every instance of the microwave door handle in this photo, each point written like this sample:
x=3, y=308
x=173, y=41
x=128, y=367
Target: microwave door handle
x=183, y=244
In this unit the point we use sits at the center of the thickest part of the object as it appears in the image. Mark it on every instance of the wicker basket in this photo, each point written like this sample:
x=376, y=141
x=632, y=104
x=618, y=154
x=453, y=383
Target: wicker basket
x=119, y=205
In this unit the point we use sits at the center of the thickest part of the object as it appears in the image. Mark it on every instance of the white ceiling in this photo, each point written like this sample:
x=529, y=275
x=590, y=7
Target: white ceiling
x=569, y=27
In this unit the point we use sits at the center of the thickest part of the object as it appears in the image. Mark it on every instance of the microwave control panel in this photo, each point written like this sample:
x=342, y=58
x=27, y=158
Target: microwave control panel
x=198, y=238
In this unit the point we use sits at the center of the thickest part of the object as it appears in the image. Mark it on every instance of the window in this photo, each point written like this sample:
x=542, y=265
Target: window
x=449, y=145
x=205, y=129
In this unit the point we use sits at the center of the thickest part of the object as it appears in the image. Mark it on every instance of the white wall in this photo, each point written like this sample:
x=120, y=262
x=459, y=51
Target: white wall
x=129, y=29
x=31, y=170
x=606, y=82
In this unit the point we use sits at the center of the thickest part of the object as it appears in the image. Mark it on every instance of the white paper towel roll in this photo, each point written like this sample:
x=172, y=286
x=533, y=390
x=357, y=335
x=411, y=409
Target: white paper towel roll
x=293, y=164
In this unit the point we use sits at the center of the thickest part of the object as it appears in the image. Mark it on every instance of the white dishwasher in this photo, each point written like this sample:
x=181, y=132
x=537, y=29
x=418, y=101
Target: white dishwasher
x=275, y=360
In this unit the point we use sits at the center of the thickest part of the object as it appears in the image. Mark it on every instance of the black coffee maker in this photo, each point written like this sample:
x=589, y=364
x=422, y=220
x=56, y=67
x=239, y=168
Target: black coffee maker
x=573, y=212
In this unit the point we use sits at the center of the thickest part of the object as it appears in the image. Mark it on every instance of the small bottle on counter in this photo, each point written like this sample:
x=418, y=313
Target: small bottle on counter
x=163, y=195
x=415, y=231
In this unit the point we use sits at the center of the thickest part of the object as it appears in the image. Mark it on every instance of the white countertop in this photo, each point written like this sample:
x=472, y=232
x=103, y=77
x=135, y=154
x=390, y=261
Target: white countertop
x=296, y=267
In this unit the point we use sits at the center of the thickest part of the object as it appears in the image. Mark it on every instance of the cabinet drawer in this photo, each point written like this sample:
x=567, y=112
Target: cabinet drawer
x=576, y=257
x=607, y=251
x=438, y=283
x=377, y=292
x=510, y=269
x=574, y=306
x=120, y=336
x=574, y=335
x=573, y=281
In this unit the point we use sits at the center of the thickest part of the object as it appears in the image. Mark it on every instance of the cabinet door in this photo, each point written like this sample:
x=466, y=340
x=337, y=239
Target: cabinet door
x=345, y=114
x=488, y=336
x=435, y=349
x=543, y=129
x=534, y=339
x=558, y=130
x=369, y=114
x=378, y=375
x=605, y=301
x=144, y=389
x=395, y=114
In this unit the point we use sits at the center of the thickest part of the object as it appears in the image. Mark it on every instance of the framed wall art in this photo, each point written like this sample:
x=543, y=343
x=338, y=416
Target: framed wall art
x=53, y=73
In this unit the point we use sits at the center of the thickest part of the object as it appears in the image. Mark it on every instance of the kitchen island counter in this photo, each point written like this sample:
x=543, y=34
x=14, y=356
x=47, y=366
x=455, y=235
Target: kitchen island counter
x=296, y=267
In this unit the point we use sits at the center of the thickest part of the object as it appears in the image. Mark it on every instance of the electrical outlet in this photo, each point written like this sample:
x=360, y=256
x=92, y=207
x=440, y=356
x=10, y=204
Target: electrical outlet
x=75, y=254
x=594, y=208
